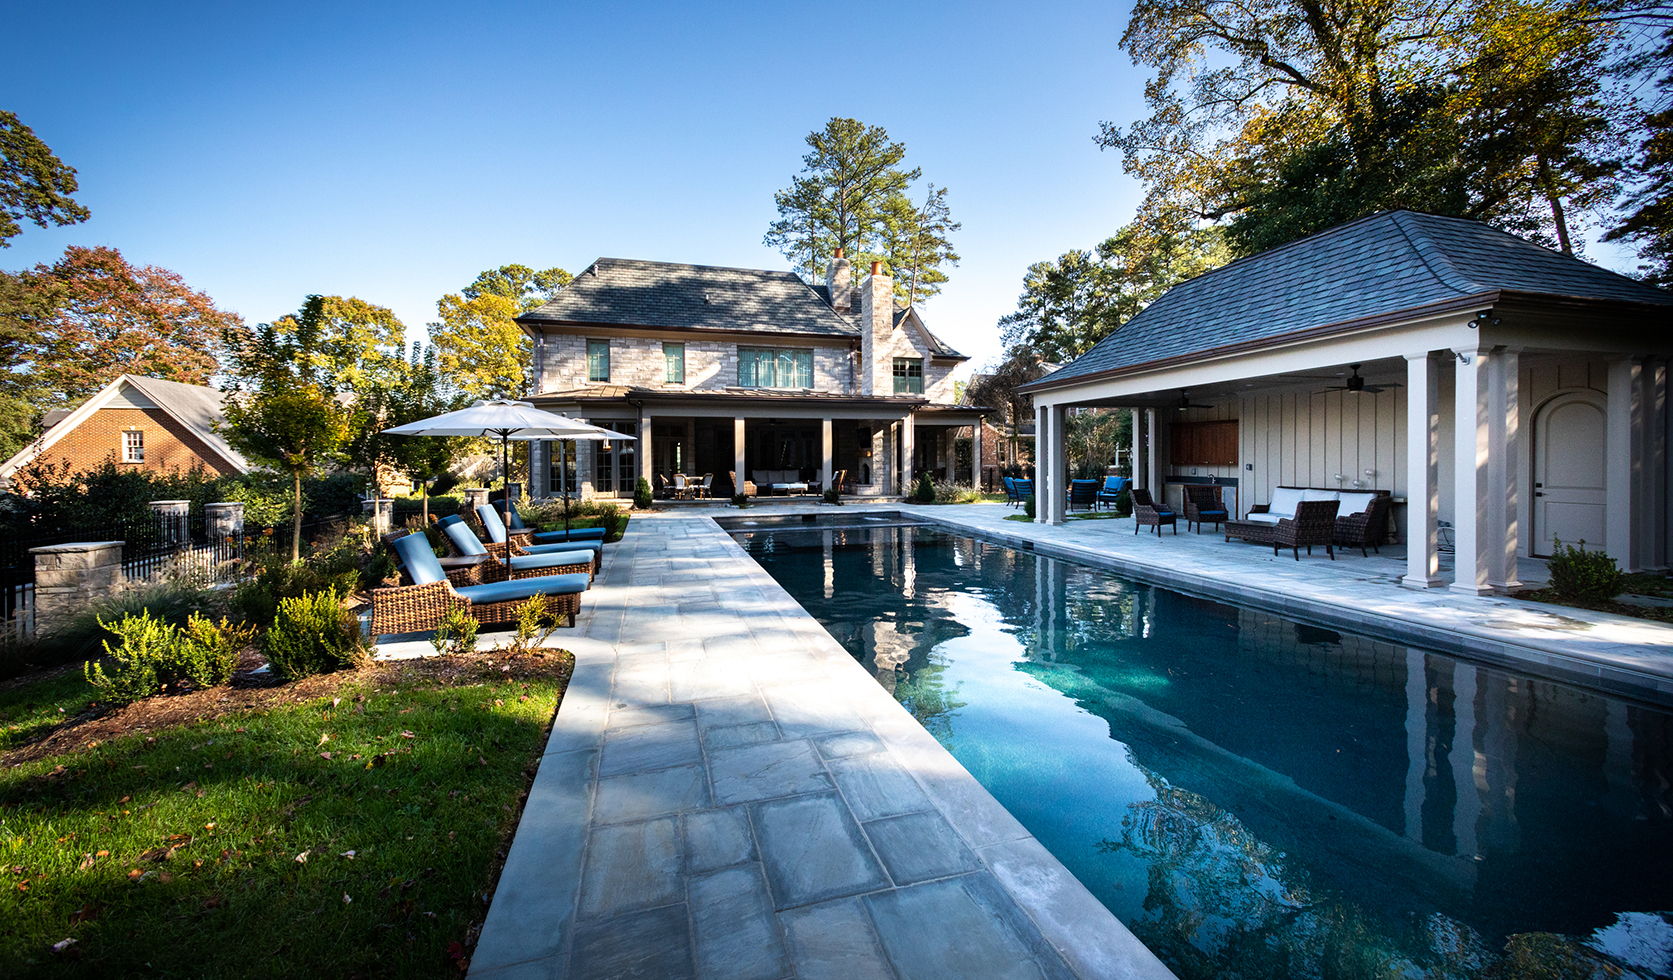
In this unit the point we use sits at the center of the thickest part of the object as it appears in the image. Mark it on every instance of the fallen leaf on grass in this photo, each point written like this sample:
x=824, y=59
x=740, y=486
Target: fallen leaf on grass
x=302, y=858
x=135, y=875
x=62, y=944
x=86, y=862
x=325, y=755
x=408, y=735
x=346, y=898
x=102, y=854
x=87, y=913
x=124, y=799
x=347, y=854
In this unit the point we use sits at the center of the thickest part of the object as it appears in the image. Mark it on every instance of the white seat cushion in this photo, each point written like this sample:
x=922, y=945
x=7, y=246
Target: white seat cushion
x=1355, y=503
x=1268, y=518
x=1321, y=495
x=1284, y=500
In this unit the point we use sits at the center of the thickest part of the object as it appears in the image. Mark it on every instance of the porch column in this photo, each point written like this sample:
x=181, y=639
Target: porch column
x=688, y=462
x=647, y=452
x=908, y=456
x=1423, y=472
x=1054, y=502
x=1623, y=473
x=1042, y=463
x=738, y=456
x=1471, y=484
x=951, y=435
x=1141, y=462
x=1152, y=481
x=825, y=472
x=1504, y=462
x=1655, y=556
x=976, y=453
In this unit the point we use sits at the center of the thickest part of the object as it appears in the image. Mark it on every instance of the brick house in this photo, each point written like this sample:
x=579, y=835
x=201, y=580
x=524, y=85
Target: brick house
x=721, y=370
x=146, y=423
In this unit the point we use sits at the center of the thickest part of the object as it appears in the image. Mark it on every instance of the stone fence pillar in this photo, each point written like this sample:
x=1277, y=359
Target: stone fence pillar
x=172, y=516
x=69, y=576
x=380, y=514
x=474, y=497
x=224, y=520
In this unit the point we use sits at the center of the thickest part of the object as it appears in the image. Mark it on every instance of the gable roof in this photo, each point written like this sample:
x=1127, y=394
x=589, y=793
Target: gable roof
x=1376, y=267
x=195, y=407
x=670, y=295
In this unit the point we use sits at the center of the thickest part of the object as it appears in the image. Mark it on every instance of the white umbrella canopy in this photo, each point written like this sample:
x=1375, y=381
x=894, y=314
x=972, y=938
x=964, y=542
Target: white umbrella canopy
x=505, y=419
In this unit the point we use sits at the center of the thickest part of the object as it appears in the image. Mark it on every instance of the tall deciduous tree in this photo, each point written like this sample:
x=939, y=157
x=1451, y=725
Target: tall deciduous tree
x=1650, y=218
x=34, y=183
x=1491, y=109
x=76, y=325
x=355, y=343
x=854, y=193
x=478, y=344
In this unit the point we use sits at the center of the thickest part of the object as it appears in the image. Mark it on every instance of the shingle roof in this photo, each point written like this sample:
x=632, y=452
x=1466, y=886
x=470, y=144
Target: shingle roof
x=640, y=293
x=194, y=406
x=1379, y=265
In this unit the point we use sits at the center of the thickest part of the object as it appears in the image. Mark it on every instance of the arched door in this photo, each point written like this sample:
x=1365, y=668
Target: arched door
x=1569, y=467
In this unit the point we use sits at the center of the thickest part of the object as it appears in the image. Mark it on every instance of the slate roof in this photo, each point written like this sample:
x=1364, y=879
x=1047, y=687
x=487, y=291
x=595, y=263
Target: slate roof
x=641, y=293
x=1380, y=265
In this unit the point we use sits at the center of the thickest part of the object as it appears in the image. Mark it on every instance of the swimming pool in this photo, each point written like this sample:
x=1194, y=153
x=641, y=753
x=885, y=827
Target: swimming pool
x=1255, y=795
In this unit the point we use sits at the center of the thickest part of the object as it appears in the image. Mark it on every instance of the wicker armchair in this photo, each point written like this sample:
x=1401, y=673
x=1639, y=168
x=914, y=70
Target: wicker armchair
x=423, y=605
x=1314, y=523
x=1202, y=505
x=1365, y=529
x=1146, y=513
x=746, y=487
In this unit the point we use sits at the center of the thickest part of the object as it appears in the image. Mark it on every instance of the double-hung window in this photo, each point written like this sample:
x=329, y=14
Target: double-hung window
x=133, y=446
x=598, y=360
x=673, y=359
x=909, y=375
x=775, y=367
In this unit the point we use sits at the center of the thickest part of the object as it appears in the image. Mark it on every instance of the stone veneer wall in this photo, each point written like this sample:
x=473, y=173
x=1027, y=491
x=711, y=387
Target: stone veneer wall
x=709, y=364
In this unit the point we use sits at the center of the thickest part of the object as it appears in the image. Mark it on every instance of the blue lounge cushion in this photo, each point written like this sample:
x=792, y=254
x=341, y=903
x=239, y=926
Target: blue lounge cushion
x=576, y=534
x=547, y=549
x=463, y=538
x=521, y=588
x=491, y=523
x=419, y=560
x=553, y=558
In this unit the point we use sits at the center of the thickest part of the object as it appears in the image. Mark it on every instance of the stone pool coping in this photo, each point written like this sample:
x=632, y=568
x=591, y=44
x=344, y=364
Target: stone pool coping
x=1618, y=655
x=702, y=809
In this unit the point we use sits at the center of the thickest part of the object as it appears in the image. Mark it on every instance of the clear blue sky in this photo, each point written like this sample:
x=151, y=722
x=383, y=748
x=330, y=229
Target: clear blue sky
x=392, y=151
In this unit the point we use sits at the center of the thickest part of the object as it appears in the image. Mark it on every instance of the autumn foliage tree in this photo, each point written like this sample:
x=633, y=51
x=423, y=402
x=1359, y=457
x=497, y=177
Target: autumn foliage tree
x=479, y=347
x=34, y=184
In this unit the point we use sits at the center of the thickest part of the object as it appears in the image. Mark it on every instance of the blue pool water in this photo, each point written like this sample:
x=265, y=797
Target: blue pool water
x=1255, y=796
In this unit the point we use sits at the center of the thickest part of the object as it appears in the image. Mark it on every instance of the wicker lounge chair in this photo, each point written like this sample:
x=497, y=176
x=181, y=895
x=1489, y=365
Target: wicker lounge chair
x=1202, y=505
x=1146, y=513
x=422, y=605
x=495, y=533
x=492, y=567
x=1083, y=493
x=516, y=526
x=1110, y=493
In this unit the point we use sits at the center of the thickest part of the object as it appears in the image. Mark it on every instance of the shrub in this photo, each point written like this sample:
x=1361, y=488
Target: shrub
x=313, y=634
x=833, y=496
x=534, y=625
x=740, y=500
x=642, y=494
x=456, y=633
x=153, y=654
x=924, y=492
x=173, y=599
x=1588, y=576
x=1028, y=507
x=613, y=521
x=956, y=493
x=336, y=560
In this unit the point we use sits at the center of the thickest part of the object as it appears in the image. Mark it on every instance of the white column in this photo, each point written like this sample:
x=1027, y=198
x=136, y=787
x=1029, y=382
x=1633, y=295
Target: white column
x=1504, y=464
x=951, y=435
x=1471, y=486
x=908, y=453
x=1042, y=462
x=827, y=472
x=1423, y=473
x=1152, y=473
x=1054, y=503
x=647, y=456
x=976, y=454
x=1652, y=504
x=737, y=455
x=1141, y=460
x=1622, y=469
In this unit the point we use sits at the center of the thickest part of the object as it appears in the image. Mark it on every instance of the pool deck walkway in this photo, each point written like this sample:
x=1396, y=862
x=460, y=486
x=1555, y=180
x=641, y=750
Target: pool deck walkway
x=1619, y=654
x=727, y=793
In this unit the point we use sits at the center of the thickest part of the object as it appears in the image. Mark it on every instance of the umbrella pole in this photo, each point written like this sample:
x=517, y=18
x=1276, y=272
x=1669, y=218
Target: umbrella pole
x=565, y=468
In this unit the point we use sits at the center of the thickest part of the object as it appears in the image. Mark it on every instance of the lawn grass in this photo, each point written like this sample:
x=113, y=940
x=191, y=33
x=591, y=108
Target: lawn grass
x=576, y=523
x=28, y=710
x=353, y=834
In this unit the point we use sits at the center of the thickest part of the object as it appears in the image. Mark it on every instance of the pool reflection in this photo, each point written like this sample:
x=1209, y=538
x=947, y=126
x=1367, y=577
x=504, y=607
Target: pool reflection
x=1254, y=794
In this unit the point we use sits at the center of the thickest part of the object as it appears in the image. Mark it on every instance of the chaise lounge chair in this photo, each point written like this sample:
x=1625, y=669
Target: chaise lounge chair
x=495, y=533
x=423, y=605
x=492, y=567
x=515, y=525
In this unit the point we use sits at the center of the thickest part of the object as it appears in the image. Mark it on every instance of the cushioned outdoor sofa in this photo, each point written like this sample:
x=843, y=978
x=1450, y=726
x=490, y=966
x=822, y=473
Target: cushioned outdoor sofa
x=1358, y=514
x=779, y=481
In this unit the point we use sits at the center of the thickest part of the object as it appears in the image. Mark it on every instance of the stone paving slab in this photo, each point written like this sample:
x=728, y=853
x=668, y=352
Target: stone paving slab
x=1618, y=654
x=726, y=793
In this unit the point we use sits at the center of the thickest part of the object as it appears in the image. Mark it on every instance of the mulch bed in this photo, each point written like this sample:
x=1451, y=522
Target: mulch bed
x=1660, y=614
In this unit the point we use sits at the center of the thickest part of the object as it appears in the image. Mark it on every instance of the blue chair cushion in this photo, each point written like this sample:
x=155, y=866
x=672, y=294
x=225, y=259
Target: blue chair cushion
x=552, y=558
x=1164, y=513
x=591, y=547
x=1211, y=513
x=1114, y=484
x=449, y=519
x=577, y=534
x=464, y=539
x=491, y=523
x=522, y=588
x=419, y=560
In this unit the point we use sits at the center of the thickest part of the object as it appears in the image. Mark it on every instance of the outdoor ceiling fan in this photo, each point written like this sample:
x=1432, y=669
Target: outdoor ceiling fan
x=1185, y=401
x=1357, y=383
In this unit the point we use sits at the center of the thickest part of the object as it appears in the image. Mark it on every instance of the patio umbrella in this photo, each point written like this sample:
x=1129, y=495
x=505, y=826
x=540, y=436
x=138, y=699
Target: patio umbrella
x=580, y=432
x=505, y=419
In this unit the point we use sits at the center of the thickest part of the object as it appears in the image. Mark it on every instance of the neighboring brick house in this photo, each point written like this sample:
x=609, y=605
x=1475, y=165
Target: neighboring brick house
x=720, y=370
x=146, y=423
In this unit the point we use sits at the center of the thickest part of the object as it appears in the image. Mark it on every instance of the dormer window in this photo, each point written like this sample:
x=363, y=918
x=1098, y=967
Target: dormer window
x=909, y=375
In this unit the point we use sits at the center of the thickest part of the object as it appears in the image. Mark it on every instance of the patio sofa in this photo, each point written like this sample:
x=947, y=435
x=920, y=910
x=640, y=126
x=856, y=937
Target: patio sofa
x=1359, y=520
x=779, y=481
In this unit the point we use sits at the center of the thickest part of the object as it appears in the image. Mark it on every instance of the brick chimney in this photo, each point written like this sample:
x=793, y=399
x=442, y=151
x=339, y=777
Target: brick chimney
x=877, y=330
x=839, y=284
